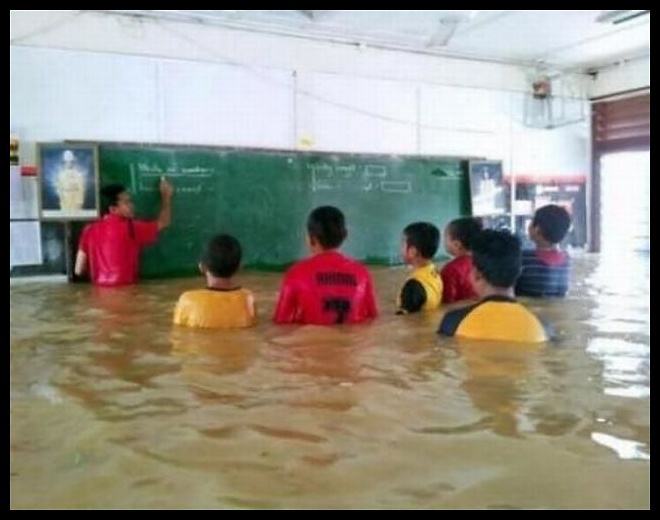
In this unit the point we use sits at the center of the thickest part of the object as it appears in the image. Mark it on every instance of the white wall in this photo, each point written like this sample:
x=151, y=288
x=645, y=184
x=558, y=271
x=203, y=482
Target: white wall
x=194, y=42
x=630, y=75
x=95, y=77
x=64, y=94
x=56, y=95
x=224, y=104
x=356, y=114
x=82, y=75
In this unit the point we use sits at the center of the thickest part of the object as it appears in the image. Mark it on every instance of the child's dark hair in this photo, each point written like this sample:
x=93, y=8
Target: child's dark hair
x=425, y=237
x=222, y=256
x=553, y=222
x=464, y=230
x=327, y=226
x=110, y=196
x=497, y=256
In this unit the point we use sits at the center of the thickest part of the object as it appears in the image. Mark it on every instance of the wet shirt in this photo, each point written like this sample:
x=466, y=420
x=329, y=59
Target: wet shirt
x=215, y=308
x=544, y=273
x=422, y=290
x=112, y=246
x=497, y=318
x=328, y=288
x=456, y=280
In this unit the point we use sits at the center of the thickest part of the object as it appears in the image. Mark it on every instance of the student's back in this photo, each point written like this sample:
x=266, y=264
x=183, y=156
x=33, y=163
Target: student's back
x=545, y=270
x=223, y=304
x=328, y=288
x=544, y=273
x=211, y=308
x=456, y=274
x=498, y=316
x=423, y=288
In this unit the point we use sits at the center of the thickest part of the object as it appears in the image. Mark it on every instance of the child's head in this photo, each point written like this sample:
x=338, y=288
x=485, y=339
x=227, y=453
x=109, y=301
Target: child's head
x=221, y=257
x=496, y=256
x=116, y=200
x=326, y=228
x=460, y=233
x=420, y=242
x=550, y=225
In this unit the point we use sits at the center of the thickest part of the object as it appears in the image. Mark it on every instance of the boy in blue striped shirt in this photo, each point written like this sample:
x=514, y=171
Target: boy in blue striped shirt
x=545, y=270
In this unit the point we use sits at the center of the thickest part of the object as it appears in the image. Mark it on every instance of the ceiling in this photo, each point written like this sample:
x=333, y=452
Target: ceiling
x=575, y=40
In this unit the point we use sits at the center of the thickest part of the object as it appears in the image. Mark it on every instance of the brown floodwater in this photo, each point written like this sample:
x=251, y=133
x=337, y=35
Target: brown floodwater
x=113, y=407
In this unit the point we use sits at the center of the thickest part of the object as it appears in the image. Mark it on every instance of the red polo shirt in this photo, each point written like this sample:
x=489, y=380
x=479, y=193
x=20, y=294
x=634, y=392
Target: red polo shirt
x=328, y=288
x=456, y=282
x=112, y=246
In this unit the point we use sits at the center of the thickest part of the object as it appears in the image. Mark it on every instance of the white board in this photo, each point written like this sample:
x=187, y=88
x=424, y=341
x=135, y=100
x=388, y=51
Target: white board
x=24, y=243
x=23, y=202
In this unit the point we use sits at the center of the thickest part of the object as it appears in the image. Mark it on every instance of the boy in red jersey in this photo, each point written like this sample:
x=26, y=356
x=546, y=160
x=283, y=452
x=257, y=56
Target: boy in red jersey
x=327, y=288
x=456, y=280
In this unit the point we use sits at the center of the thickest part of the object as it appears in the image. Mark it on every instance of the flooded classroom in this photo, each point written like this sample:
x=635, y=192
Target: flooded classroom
x=329, y=260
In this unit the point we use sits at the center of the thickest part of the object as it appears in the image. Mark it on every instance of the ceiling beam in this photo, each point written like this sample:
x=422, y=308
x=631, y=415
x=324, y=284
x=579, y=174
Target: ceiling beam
x=311, y=15
x=485, y=20
x=584, y=41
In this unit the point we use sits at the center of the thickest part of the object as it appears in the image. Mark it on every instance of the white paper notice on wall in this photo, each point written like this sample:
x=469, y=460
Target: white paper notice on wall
x=522, y=207
x=23, y=193
x=24, y=243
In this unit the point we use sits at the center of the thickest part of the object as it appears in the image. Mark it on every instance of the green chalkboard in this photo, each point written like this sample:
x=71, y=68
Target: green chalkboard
x=263, y=198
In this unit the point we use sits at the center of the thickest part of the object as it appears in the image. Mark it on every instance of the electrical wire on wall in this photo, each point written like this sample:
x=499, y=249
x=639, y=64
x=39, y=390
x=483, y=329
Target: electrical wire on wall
x=311, y=95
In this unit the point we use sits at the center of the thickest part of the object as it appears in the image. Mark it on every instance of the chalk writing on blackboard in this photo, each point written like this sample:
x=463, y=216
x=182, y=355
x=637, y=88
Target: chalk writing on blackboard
x=368, y=177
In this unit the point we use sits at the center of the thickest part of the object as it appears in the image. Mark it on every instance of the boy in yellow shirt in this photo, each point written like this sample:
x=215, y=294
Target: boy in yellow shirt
x=223, y=304
x=496, y=258
x=423, y=289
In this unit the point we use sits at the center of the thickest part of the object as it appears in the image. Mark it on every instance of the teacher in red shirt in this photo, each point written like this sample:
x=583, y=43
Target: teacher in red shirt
x=110, y=248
